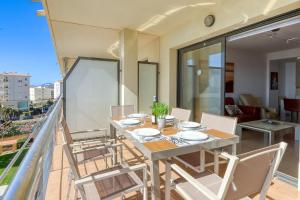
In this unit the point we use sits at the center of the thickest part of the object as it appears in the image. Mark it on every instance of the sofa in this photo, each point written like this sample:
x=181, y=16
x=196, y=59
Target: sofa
x=249, y=113
x=250, y=100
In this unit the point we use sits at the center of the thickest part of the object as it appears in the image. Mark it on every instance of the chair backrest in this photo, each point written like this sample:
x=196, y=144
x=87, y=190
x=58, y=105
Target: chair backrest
x=66, y=131
x=181, y=114
x=72, y=162
x=229, y=101
x=122, y=110
x=292, y=105
x=250, y=100
x=254, y=171
x=221, y=123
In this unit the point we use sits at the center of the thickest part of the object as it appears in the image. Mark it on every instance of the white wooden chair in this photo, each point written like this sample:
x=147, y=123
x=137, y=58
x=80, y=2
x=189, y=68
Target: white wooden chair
x=121, y=110
x=109, y=183
x=181, y=114
x=246, y=174
x=199, y=160
x=91, y=149
x=86, y=140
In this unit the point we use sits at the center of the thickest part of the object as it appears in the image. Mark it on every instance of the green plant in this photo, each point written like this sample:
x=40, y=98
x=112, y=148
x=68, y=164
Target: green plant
x=160, y=110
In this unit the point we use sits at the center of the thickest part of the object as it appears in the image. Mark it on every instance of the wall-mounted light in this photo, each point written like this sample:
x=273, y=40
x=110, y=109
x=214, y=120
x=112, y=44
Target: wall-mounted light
x=199, y=72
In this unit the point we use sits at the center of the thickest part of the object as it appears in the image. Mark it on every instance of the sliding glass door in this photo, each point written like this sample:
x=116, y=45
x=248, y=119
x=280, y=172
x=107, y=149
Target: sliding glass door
x=201, y=78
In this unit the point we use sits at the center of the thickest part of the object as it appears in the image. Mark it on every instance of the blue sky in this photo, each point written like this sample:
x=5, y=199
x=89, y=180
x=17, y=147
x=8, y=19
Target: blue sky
x=25, y=42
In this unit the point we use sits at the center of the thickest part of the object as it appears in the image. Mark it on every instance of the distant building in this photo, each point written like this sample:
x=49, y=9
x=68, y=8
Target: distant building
x=58, y=88
x=14, y=90
x=48, y=85
x=41, y=94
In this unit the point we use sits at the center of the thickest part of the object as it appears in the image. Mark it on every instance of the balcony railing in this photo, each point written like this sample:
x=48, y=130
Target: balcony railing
x=31, y=179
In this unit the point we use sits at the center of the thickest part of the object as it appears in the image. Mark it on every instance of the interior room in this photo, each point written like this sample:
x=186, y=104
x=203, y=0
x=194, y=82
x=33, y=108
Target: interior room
x=262, y=77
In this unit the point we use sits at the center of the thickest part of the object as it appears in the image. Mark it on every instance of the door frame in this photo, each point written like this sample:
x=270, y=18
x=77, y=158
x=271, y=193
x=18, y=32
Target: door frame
x=196, y=46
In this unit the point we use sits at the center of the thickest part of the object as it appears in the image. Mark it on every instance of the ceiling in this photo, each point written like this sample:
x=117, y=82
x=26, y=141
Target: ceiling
x=154, y=17
x=283, y=39
x=91, y=27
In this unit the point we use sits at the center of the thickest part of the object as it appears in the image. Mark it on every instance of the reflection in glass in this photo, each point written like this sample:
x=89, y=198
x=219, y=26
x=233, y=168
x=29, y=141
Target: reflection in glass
x=201, y=76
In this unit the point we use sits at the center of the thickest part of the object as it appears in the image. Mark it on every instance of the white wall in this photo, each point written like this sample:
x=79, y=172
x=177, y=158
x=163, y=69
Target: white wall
x=249, y=73
x=149, y=51
x=276, y=56
x=290, y=80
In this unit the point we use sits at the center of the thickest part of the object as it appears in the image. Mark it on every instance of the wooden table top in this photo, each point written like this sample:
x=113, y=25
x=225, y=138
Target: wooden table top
x=156, y=146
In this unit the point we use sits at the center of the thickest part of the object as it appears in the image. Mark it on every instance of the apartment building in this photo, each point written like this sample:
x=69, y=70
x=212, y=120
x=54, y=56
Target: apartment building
x=41, y=94
x=58, y=88
x=14, y=90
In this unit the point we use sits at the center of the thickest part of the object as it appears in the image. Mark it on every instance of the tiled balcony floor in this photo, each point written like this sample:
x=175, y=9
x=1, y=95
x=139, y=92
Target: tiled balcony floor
x=58, y=178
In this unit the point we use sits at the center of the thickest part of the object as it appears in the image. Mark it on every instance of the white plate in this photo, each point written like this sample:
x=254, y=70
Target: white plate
x=147, y=132
x=193, y=135
x=170, y=117
x=190, y=125
x=137, y=115
x=129, y=121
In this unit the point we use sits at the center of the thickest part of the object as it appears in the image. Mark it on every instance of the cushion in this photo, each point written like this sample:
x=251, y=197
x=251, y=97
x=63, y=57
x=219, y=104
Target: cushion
x=233, y=110
x=250, y=100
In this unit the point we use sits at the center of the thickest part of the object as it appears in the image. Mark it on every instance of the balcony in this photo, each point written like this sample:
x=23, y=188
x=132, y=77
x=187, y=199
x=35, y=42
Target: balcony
x=45, y=172
x=176, y=51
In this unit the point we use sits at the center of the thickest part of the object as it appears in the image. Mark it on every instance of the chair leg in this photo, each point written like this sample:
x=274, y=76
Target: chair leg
x=105, y=159
x=145, y=189
x=168, y=181
x=70, y=177
x=216, y=162
x=202, y=160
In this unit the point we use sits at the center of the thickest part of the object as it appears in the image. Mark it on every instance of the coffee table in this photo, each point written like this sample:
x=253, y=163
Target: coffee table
x=265, y=126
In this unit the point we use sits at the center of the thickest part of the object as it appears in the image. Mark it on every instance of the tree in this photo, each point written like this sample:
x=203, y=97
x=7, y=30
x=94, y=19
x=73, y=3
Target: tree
x=8, y=113
x=49, y=103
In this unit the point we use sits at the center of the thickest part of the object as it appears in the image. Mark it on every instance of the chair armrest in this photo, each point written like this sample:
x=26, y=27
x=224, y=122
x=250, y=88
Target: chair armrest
x=88, y=149
x=98, y=177
x=95, y=142
x=88, y=131
x=202, y=188
x=270, y=109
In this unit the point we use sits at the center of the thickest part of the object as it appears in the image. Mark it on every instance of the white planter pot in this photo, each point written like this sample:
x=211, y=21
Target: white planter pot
x=161, y=123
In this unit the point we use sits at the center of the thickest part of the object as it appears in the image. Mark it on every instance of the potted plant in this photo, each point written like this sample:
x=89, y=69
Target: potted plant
x=160, y=110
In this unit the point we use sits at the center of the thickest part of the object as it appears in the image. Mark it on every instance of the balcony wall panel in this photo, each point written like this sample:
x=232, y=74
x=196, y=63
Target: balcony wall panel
x=91, y=86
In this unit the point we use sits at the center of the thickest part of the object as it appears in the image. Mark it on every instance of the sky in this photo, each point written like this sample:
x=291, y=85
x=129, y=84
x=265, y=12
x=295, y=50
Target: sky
x=25, y=42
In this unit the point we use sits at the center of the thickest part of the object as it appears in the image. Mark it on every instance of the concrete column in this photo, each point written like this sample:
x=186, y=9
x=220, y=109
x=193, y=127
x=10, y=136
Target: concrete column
x=128, y=61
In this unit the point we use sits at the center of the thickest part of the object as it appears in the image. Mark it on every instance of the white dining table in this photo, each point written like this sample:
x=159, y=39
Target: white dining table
x=162, y=150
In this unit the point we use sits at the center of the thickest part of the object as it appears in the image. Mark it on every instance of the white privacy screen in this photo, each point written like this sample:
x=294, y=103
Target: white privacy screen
x=91, y=88
x=147, y=85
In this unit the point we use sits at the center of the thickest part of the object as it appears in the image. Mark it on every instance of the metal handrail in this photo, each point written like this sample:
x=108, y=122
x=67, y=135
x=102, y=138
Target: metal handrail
x=31, y=178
